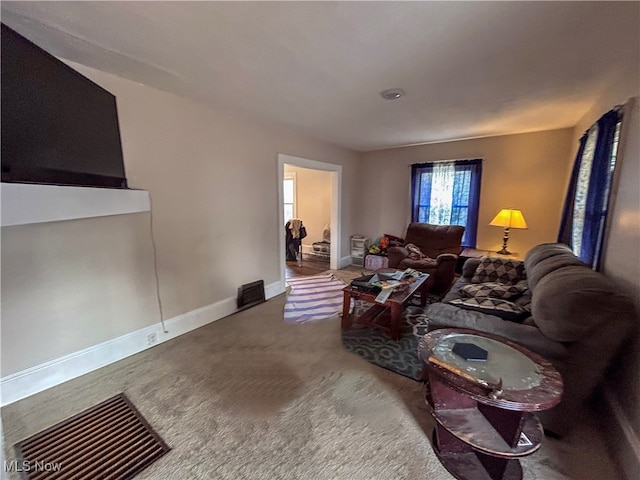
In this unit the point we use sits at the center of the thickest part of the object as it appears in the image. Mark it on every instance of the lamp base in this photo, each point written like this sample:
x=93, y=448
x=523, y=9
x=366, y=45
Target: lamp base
x=505, y=239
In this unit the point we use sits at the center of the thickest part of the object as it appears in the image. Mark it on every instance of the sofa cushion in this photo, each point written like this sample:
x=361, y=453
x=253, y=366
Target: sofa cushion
x=427, y=265
x=496, y=269
x=493, y=306
x=444, y=315
x=547, y=260
x=571, y=302
x=493, y=290
x=469, y=268
x=524, y=300
x=543, y=251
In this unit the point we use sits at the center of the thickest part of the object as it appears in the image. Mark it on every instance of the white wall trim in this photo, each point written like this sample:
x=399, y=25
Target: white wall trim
x=345, y=261
x=274, y=289
x=24, y=203
x=627, y=443
x=336, y=205
x=22, y=384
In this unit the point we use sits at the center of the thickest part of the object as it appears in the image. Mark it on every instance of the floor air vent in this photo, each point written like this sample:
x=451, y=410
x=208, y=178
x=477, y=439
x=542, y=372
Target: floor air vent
x=110, y=441
x=250, y=294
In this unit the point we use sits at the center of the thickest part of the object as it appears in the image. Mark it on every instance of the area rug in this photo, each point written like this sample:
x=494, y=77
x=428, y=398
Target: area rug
x=375, y=346
x=111, y=441
x=313, y=298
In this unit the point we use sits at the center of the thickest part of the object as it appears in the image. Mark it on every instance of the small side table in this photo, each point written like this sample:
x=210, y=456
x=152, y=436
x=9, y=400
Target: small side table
x=485, y=410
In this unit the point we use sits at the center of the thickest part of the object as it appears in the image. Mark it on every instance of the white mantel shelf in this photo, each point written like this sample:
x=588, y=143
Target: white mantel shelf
x=24, y=204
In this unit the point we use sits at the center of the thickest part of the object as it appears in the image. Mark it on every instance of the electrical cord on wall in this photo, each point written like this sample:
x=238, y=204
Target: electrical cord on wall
x=155, y=266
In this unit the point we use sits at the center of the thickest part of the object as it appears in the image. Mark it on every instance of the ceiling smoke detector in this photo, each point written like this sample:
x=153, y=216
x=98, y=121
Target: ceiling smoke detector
x=392, y=94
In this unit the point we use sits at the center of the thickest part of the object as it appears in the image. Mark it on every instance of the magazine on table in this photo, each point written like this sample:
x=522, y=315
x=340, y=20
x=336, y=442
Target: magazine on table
x=411, y=273
x=385, y=284
x=383, y=281
x=384, y=295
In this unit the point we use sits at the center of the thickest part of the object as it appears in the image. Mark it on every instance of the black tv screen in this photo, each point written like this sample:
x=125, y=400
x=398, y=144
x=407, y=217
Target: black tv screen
x=58, y=127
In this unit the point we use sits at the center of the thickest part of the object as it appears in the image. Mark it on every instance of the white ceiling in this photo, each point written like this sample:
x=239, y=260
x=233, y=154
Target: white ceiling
x=469, y=69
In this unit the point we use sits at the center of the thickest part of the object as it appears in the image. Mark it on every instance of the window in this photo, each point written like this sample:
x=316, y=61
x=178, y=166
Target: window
x=447, y=193
x=289, y=190
x=585, y=211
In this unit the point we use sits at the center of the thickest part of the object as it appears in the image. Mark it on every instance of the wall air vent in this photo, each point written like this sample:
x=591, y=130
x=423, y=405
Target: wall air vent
x=251, y=294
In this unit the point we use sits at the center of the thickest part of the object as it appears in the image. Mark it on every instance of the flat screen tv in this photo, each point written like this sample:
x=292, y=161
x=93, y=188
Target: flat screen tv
x=58, y=127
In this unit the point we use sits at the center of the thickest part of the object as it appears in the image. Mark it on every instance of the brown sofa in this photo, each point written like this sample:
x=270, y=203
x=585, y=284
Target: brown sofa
x=441, y=243
x=579, y=321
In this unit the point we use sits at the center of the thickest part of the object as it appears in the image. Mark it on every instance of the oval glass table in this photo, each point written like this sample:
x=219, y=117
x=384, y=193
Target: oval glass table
x=483, y=391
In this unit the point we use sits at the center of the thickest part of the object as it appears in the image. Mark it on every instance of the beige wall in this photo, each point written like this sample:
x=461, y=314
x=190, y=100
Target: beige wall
x=313, y=200
x=69, y=285
x=212, y=176
x=526, y=171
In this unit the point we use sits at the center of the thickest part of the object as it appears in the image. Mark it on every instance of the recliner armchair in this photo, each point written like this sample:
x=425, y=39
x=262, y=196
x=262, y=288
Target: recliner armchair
x=441, y=243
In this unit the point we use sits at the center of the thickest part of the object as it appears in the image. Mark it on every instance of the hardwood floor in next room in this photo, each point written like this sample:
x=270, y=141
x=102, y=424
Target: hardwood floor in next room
x=305, y=268
x=309, y=268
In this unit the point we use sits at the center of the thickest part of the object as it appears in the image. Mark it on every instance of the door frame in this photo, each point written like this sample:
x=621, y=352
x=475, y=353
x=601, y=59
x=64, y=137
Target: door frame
x=336, y=205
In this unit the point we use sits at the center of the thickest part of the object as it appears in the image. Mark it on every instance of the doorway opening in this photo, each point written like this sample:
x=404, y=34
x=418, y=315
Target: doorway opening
x=310, y=191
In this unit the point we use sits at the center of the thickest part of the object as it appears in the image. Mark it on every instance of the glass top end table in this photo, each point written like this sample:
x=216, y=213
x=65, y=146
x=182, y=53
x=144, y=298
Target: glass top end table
x=485, y=410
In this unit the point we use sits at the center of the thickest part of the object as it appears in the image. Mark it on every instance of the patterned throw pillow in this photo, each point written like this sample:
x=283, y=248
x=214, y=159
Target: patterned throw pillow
x=493, y=306
x=496, y=269
x=493, y=290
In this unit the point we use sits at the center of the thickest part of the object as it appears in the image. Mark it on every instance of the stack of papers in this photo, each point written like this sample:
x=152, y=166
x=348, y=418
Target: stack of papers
x=387, y=282
x=384, y=295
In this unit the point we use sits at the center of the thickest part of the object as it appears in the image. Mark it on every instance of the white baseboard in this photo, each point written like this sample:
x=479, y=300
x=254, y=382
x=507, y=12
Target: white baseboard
x=28, y=382
x=627, y=442
x=345, y=261
x=274, y=289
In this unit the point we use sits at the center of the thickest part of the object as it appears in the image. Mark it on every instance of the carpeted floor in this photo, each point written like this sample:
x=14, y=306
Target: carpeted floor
x=251, y=397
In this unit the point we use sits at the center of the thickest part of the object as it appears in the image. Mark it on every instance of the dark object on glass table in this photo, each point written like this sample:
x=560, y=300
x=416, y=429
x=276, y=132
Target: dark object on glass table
x=470, y=352
x=364, y=284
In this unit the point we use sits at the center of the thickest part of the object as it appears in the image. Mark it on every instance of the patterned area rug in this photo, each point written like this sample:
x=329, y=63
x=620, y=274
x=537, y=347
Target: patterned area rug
x=313, y=298
x=376, y=347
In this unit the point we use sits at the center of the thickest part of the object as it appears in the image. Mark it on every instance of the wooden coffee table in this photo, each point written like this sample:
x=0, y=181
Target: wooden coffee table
x=386, y=316
x=485, y=410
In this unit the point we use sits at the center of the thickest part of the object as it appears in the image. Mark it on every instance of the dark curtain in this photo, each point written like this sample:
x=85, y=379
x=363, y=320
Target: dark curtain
x=597, y=193
x=420, y=191
x=465, y=201
x=473, y=168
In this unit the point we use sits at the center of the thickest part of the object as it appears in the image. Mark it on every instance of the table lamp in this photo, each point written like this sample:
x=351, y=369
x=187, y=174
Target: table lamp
x=508, y=218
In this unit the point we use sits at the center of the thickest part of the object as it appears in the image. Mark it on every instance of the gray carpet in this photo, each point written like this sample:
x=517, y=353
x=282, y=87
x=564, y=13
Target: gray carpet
x=251, y=397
